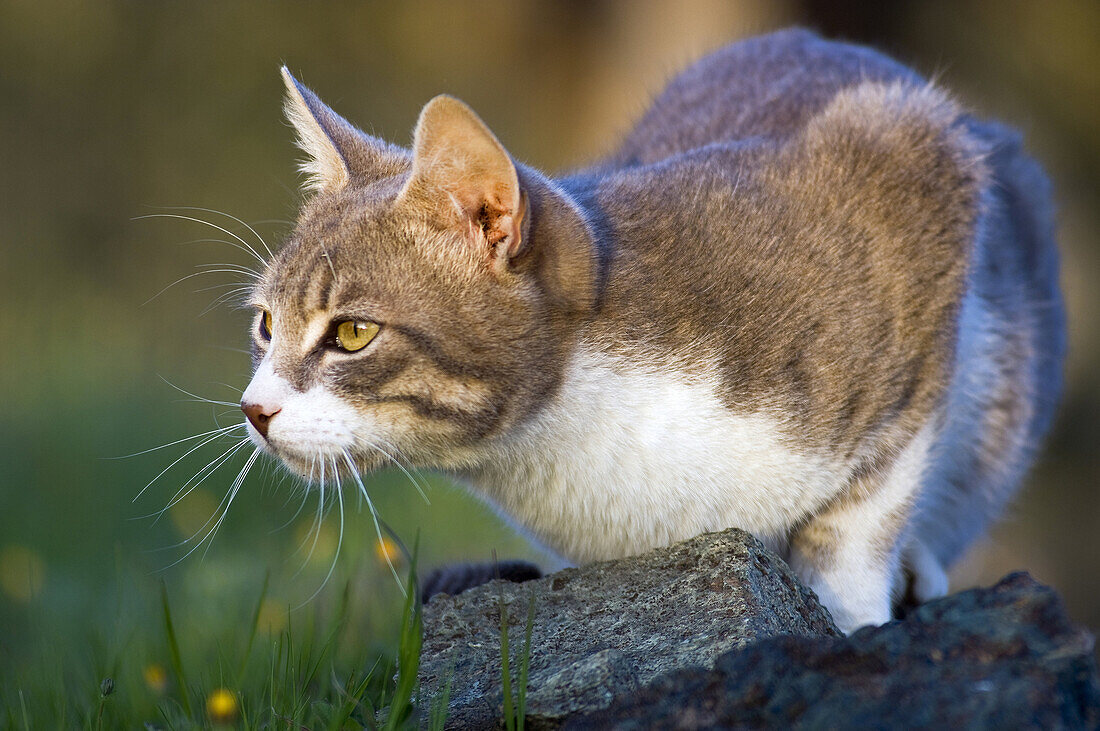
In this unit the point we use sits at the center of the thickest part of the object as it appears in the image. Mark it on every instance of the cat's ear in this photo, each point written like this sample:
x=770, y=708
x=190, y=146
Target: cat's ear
x=463, y=174
x=336, y=152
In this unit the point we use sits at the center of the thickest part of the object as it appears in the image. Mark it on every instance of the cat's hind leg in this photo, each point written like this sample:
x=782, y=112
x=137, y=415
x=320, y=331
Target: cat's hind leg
x=850, y=552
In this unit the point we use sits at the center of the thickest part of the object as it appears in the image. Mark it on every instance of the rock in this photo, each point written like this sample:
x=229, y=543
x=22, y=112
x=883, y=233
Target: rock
x=1004, y=657
x=611, y=627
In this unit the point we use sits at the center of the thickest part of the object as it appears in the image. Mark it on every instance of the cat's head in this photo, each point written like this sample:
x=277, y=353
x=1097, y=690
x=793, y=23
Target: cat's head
x=425, y=302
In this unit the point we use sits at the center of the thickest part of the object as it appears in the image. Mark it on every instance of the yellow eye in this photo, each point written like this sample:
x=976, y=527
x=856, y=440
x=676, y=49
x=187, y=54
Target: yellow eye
x=265, y=325
x=352, y=336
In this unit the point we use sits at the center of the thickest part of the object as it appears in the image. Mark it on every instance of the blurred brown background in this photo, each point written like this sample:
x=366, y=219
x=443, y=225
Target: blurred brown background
x=112, y=110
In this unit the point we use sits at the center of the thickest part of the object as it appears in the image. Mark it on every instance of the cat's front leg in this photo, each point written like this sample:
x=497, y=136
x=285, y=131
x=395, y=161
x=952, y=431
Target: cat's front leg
x=850, y=552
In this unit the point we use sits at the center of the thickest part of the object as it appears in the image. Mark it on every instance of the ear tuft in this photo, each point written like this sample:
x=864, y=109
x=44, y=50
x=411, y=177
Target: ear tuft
x=336, y=152
x=323, y=166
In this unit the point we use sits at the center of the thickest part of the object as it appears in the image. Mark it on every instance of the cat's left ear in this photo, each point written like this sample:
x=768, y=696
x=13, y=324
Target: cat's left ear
x=463, y=174
x=336, y=151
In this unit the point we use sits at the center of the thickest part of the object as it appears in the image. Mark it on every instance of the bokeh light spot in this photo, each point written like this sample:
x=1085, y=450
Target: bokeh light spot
x=155, y=677
x=22, y=572
x=273, y=617
x=194, y=513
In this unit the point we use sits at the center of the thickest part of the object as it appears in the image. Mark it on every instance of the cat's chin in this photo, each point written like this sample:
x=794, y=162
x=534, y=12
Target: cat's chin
x=336, y=468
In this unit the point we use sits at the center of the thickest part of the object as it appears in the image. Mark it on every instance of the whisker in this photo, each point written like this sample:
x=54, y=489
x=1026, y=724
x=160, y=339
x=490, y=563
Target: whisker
x=374, y=518
x=227, y=501
x=394, y=455
x=217, y=241
x=301, y=507
x=320, y=512
x=315, y=526
x=201, y=400
x=223, y=285
x=178, y=441
x=339, y=540
x=199, y=477
x=223, y=213
x=240, y=294
x=196, y=396
x=184, y=279
x=230, y=269
x=218, y=434
x=211, y=225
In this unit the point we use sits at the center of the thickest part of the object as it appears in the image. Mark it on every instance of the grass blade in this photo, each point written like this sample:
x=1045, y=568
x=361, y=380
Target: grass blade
x=174, y=651
x=23, y=707
x=255, y=627
x=408, y=650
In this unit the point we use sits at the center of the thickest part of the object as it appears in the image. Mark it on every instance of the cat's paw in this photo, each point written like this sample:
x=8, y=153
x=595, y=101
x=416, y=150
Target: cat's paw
x=855, y=596
x=927, y=578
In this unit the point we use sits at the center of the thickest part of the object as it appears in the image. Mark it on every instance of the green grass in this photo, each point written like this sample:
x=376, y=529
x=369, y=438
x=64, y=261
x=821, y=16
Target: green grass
x=515, y=709
x=313, y=674
x=302, y=676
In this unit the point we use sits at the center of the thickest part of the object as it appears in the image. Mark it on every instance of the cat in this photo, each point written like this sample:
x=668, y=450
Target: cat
x=808, y=296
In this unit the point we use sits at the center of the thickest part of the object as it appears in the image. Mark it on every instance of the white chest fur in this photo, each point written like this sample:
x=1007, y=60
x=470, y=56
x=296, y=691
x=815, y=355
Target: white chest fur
x=626, y=459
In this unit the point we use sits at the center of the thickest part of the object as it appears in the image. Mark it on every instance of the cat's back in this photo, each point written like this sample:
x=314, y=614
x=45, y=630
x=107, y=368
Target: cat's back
x=796, y=215
x=769, y=86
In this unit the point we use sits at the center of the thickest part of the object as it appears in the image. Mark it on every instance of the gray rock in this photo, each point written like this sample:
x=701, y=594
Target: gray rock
x=1005, y=657
x=608, y=628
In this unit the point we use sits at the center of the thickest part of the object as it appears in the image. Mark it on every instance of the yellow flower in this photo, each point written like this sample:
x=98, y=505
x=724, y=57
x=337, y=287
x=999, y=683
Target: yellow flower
x=155, y=677
x=221, y=706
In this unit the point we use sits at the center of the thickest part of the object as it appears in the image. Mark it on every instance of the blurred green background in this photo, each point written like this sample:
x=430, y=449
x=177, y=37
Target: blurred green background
x=114, y=110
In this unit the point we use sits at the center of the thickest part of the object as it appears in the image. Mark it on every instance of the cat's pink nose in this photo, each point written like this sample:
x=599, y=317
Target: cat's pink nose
x=259, y=416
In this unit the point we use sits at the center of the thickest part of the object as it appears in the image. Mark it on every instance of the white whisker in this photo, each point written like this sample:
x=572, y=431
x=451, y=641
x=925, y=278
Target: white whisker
x=199, y=477
x=339, y=540
x=227, y=501
x=217, y=241
x=197, y=397
x=301, y=507
x=315, y=526
x=394, y=456
x=374, y=518
x=178, y=441
x=184, y=279
x=211, y=225
x=241, y=294
x=223, y=213
x=230, y=269
x=217, y=433
x=223, y=285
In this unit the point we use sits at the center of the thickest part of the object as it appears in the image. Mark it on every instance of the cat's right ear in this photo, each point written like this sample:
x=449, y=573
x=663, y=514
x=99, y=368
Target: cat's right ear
x=336, y=151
